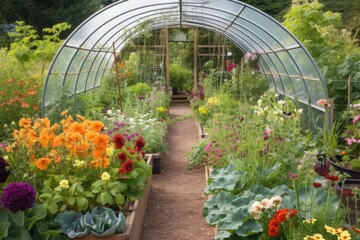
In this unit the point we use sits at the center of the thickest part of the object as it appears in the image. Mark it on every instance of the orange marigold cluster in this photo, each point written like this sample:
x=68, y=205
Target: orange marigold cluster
x=49, y=144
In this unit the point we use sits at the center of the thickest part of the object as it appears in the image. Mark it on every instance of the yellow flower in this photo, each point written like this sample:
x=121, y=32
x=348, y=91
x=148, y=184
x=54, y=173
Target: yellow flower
x=344, y=235
x=105, y=176
x=213, y=101
x=64, y=184
x=161, y=109
x=203, y=110
x=330, y=230
x=315, y=237
x=79, y=163
x=312, y=221
x=110, y=151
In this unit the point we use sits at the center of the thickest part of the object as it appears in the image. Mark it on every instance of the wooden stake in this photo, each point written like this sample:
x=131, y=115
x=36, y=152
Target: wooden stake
x=118, y=79
x=349, y=91
x=167, y=61
x=195, y=57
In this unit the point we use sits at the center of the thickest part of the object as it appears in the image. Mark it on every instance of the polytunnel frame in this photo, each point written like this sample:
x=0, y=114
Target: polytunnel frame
x=218, y=25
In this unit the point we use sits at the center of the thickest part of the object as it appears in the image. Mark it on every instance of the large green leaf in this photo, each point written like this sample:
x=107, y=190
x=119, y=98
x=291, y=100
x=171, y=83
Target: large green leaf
x=227, y=179
x=218, y=207
x=33, y=215
x=4, y=228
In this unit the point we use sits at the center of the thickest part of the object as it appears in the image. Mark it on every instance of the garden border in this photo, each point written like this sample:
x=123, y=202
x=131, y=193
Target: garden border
x=134, y=220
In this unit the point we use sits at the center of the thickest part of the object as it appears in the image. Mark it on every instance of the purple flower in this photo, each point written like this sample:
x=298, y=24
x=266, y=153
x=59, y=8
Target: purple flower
x=18, y=196
x=117, y=123
x=247, y=56
x=4, y=171
x=207, y=148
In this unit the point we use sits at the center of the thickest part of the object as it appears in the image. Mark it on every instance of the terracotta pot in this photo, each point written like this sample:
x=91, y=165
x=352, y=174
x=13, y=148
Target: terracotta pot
x=353, y=173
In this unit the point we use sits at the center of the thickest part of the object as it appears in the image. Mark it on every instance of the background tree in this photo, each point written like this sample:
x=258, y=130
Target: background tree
x=45, y=13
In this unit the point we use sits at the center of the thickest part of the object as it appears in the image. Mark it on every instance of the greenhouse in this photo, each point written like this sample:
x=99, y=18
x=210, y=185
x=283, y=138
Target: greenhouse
x=188, y=119
x=87, y=55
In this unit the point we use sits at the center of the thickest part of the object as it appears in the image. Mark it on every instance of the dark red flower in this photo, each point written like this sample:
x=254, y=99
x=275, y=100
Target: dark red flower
x=348, y=193
x=139, y=144
x=293, y=213
x=332, y=177
x=121, y=157
x=127, y=167
x=317, y=185
x=119, y=141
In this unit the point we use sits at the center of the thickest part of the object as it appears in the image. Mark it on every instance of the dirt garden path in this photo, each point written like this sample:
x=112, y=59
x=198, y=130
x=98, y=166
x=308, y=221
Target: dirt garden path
x=174, y=210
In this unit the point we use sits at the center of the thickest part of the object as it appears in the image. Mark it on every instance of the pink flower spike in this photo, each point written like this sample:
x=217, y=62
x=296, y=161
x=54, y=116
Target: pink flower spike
x=356, y=119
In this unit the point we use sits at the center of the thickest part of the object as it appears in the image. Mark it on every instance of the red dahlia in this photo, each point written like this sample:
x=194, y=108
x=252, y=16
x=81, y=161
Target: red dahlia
x=127, y=167
x=121, y=157
x=119, y=141
x=139, y=144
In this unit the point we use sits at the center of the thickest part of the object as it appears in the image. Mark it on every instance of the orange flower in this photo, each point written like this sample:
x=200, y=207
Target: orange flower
x=32, y=136
x=44, y=138
x=96, y=126
x=89, y=136
x=45, y=122
x=99, y=152
x=100, y=163
x=2, y=93
x=64, y=113
x=42, y=163
x=25, y=105
x=35, y=107
x=101, y=140
x=31, y=92
x=58, y=140
x=25, y=122
x=75, y=136
x=81, y=118
x=55, y=126
x=77, y=127
x=343, y=153
x=323, y=103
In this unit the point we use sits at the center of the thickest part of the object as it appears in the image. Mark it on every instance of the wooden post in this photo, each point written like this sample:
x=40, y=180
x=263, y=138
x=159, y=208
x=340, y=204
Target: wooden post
x=196, y=79
x=331, y=113
x=167, y=61
x=240, y=72
x=118, y=79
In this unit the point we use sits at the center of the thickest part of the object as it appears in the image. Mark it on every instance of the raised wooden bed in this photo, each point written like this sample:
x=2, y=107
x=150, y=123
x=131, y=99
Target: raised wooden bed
x=201, y=130
x=134, y=220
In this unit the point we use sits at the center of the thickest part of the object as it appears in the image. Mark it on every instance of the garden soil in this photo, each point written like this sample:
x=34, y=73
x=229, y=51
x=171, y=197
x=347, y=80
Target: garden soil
x=174, y=210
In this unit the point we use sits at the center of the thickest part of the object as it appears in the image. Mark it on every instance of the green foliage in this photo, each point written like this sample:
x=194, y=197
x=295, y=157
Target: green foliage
x=180, y=77
x=140, y=89
x=28, y=225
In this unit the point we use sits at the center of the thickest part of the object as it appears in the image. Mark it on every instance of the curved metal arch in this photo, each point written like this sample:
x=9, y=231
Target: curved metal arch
x=232, y=34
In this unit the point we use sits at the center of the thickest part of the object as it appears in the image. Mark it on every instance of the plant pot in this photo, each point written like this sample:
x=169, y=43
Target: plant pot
x=156, y=165
x=344, y=192
x=353, y=173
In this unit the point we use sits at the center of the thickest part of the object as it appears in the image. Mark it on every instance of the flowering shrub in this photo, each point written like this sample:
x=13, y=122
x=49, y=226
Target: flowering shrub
x=74, y=165
x=351, y=150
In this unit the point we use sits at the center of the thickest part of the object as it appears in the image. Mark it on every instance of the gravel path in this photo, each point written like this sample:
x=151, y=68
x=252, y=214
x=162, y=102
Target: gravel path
x=176, y=198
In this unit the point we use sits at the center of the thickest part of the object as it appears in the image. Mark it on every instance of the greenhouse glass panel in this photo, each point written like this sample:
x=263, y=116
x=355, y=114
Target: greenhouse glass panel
x=54, y=83
x=62, y=60
x=74, y=68
x=301, y=91
x=247, y=39
x=85, y=71
x=95, y=66
x=201, y=11
x=305, y=64
x=259, y=33
x=264, y=22
x=279, y=65
x=271, y=82
x=316, y=91
x=121, y=8
x=279, y=85
x=289, y=90
x=289, y=63
x=250, y=35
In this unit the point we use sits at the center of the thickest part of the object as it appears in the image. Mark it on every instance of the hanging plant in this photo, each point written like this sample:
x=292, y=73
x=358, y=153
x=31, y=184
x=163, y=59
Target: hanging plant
x=252, y=60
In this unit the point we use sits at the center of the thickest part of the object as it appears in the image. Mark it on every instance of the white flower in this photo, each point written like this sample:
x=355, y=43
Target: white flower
x=255, y=209
x=266, y=203
x=281, y=102
x=276, y=201
x=109, y=112
x=300, y=111
x=105, y=176
x=64, y=184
